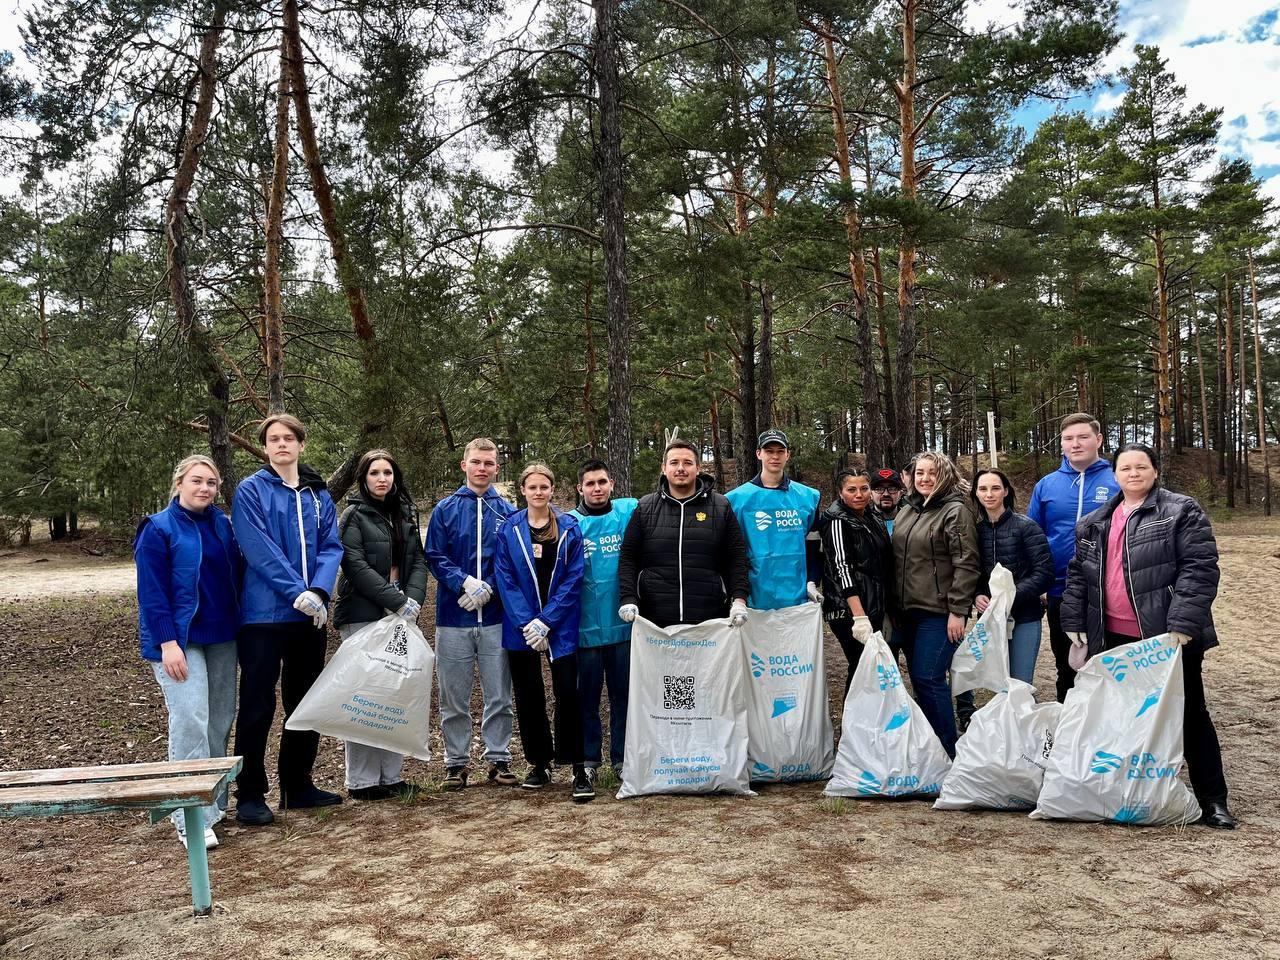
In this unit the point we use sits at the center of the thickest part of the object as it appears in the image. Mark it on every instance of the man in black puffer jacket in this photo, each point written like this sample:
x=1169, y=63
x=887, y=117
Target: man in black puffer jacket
x=683, y=557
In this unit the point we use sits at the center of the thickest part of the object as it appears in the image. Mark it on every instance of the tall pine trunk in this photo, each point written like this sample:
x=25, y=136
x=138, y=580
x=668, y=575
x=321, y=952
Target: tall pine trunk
x=904, y=401
x=1257, y=390
x=618, y=438
x=273, y=315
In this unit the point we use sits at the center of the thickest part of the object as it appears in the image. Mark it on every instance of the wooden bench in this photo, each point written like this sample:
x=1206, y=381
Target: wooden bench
x=159, y=788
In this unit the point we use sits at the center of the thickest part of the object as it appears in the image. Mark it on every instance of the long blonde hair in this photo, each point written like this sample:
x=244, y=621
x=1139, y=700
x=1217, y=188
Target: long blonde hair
x=537, y=466
x=195, y=460
x=948, y=476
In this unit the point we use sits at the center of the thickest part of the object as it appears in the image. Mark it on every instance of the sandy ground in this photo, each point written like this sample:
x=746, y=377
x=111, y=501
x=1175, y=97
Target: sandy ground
x=30, y=574
x=496, y=872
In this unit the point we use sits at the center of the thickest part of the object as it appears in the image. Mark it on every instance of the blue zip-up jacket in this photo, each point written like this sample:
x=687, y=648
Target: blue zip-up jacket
x=776, y=523
x=290, y=543
x=1060, y=500
x=168, y=554
x=455, y=552
x=518, y=584
x=601, y=551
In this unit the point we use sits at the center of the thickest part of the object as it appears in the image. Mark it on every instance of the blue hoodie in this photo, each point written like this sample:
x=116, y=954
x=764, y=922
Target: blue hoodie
x=602, y=550
x=518, y=584
x=455, y=552
x=776, y=522
x=1060, y=500
x=289, y=538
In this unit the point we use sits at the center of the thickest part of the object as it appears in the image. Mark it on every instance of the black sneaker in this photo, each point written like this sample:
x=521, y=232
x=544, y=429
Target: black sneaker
x=537, y=778
x=500, y=773
x=583, y=789
x=455, y=778
x=253, y=812
x=593, y=774
x=375, y=792
x=308, y=797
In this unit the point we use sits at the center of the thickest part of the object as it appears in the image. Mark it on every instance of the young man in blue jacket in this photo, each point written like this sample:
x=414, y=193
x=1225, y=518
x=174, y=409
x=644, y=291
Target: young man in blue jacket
x=604, y=640
x=287, y=528
x=1079, y=486
x=460, y=547
x=777, y=516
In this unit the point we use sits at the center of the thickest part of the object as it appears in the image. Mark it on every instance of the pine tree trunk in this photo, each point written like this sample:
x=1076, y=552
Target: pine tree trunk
x=273, y=315
x=1242, y=408
x=198, y=339
x=589, y=377
x=618, y=439
x=1257, y=390
x=1229, y=395
x=876, y=440
x=1204, y=398
x=904, y=401
x=747, y=371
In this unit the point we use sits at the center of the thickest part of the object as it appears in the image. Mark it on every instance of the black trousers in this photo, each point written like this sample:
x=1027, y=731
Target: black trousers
x=1060, y=644
x=843, y=631
x=531, y=708
x=293, y=654
x=1200, y=738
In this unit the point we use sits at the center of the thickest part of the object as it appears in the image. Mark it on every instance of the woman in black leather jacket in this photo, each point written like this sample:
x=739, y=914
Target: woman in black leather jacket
x=1146, y=563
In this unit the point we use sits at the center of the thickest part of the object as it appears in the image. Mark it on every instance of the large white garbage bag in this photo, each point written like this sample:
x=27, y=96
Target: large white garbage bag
x=1000, y=761
x=376, y=690
x=1118, y=750
x=687, y=711
x=982, y=657
x=887, y=747
x=788, y=723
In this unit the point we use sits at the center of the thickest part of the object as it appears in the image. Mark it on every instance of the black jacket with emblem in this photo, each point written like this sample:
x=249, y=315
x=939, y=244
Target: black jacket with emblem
x=365, y=592
x=1170, y=569
x=683, y=561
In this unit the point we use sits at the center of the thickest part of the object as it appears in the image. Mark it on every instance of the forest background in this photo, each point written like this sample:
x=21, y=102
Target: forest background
x=573, y=226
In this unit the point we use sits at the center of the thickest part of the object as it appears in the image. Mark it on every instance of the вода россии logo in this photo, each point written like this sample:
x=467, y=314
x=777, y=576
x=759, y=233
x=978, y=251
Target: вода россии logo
x=762, y=771
x=1104, y=762
x=588, y=548
x=1116, y=667
x=763, y=520
x=868, y=784
x=758, y=665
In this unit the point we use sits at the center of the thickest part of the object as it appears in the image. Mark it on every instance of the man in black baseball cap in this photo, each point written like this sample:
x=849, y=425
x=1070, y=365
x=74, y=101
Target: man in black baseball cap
x=887, y=488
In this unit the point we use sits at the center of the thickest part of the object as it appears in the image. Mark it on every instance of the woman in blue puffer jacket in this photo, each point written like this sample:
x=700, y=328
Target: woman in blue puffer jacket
x=189, y=576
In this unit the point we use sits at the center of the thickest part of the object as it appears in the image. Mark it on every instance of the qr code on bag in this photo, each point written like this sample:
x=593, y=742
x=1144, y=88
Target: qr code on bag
x=677, y=693
x=398, y=645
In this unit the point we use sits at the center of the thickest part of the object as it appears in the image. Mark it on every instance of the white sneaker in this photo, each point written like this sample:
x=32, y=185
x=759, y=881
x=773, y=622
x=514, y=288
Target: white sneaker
x=210, y=838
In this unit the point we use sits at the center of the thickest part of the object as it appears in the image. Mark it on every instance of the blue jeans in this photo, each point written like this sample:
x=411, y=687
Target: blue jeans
x=596, y=666
x=929, y=653
x=201, y=710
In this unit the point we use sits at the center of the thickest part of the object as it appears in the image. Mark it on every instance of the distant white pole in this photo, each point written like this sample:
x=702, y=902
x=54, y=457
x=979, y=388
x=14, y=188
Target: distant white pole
x=991, y=440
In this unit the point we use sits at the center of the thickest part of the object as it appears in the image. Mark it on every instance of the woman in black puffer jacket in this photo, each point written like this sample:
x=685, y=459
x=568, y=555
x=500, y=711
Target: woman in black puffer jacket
x=1017, y=543
x=383, y=571
x=1147, y=564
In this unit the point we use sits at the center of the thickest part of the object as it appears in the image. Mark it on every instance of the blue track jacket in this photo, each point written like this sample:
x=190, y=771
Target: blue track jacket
x=601, y=549
x=461, y=538
x=518, y=584
x=1060, y=500
x=775, y=523
x=290, y=542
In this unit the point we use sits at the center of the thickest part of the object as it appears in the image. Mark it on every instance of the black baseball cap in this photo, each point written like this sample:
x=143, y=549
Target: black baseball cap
x=772, y=436
x=887, y=477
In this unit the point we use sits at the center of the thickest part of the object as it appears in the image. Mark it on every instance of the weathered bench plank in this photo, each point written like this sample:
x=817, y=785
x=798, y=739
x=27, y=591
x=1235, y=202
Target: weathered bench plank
x=123, y=771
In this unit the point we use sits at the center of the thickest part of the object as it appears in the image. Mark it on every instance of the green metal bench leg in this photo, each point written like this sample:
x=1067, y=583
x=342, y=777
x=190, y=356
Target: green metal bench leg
x=198, y=862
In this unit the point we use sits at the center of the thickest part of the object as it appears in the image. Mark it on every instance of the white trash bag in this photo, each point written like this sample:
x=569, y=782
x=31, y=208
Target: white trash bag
x=981, y=659
x=788, y=722
x=376, y=690
x=1118, y=749
x=1001, y=759
x=687, y=711
x=887, y=747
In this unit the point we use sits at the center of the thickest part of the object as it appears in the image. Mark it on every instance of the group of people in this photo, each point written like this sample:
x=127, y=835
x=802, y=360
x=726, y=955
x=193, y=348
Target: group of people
x=1109, y=553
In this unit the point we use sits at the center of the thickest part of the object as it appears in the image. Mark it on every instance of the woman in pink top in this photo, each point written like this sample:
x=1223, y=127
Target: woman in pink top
x=1146, y=564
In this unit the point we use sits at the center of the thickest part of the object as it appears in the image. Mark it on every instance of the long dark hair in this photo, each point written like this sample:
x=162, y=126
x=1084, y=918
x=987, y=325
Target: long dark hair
x=1010, y=499
x=399, y=502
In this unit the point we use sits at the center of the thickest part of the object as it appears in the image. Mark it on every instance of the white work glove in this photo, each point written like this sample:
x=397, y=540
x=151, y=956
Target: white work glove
x=538, y=644
x=477, y=590
x=1077, y=639
x=738, y=613
x=535, y=630
x=1181, y=639
x=628, y=612
x=812, y=590
x=410, y=609
x=309, y=603
x=862, y=629
x=467, y=602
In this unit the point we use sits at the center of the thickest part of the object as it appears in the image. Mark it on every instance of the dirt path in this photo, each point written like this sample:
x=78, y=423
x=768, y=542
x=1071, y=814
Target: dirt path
x=500, y=873
x=32, y=573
